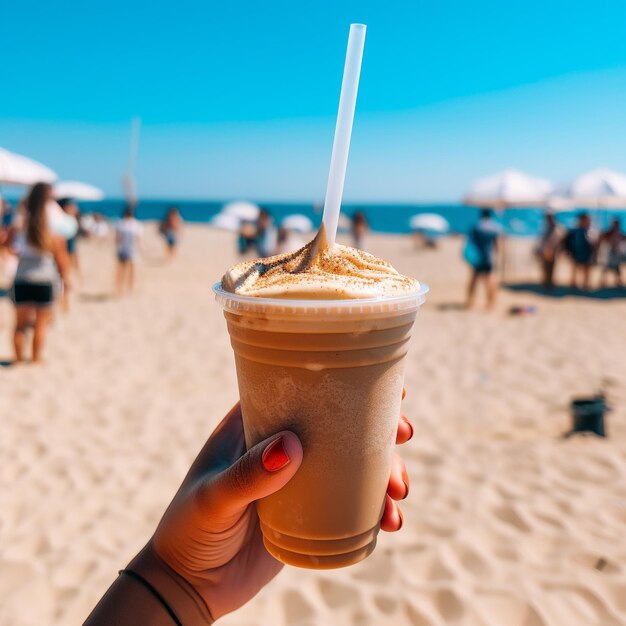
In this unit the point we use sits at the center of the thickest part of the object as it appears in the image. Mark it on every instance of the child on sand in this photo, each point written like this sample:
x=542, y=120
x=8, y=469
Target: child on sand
x=128, y=235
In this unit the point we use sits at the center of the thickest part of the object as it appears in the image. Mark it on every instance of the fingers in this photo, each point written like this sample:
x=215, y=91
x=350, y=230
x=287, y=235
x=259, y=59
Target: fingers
x=392, y=516
x=398, y=487
x=405, y=430
x=262, y=470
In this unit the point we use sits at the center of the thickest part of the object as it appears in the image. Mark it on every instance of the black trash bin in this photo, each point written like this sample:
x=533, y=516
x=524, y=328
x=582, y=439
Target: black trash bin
x=588, y=415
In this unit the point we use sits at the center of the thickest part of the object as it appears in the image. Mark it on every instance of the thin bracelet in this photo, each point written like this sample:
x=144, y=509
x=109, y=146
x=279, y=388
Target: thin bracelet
x=154, y=592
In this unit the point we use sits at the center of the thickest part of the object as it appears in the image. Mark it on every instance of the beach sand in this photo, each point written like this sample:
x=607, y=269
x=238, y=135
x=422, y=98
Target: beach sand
x=507, y=524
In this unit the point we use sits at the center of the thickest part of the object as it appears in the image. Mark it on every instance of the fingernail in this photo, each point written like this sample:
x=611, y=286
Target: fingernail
x=403, y=393
x=401, y=519
x=411, y=427
x=275, y=456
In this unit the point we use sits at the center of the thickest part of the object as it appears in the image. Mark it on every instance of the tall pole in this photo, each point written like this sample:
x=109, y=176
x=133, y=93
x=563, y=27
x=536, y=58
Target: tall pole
x=129, y=182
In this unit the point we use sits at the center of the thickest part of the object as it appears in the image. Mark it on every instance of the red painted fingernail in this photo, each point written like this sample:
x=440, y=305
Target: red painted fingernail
x=275, y=456
x=411, y=427
x=401, y=519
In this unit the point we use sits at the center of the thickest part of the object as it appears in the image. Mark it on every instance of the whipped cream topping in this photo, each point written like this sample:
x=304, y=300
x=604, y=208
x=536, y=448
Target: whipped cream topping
x=318, y=271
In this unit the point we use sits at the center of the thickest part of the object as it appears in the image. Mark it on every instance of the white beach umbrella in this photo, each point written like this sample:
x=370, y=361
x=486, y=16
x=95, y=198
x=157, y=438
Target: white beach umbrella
x=225, y=221
x=246, y=211
x=598, y=189
x=77, y=191
x=16, y=169
x=430, y=222
x=297, y=222
x=507, y=189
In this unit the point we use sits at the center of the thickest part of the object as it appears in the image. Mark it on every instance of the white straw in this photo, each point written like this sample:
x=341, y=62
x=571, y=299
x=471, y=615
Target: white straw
x=343, y=130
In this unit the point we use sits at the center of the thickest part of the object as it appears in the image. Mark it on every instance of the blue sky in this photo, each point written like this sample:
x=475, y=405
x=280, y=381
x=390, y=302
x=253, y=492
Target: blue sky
x=239, y=99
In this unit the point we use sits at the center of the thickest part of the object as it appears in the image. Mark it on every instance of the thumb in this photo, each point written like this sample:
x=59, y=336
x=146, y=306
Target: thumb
x=261, y=471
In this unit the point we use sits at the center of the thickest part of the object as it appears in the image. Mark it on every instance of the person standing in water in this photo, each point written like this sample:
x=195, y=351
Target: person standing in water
x=128, y=236
x=41, y=271
x=483, y=241
x=171, y=228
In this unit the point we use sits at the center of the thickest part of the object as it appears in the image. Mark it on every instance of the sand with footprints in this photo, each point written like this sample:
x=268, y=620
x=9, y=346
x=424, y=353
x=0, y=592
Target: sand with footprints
x=507, y=524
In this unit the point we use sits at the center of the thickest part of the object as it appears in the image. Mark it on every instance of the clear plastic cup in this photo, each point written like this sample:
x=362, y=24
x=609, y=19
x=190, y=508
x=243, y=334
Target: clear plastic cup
x=331, y=371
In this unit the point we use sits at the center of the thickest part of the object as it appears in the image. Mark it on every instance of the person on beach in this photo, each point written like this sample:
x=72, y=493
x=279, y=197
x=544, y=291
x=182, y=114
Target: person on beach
x=481, y=250
x=614, y=242
x=171, y=228
x=207, y=557
x=128, y=236
x=548, y=247
x=71, y=208
x=41, y=271
x=359, y=229
x=246, y=237
x=581, y=248
x=266, y=234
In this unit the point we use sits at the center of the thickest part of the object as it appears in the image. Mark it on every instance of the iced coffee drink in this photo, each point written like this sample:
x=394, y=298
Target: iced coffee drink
x=320, y=338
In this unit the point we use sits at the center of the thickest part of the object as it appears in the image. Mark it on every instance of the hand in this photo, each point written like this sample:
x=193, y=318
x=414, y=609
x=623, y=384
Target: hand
x=210, y=533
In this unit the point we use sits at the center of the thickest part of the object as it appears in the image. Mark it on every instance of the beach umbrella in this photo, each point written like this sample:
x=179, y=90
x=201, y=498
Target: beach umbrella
x=16, y=169
x=509, y=188
x=601, y=188
x=297, y=222
x=225, y=221
x=244, y=211
x=430, y=222
x=77, y=191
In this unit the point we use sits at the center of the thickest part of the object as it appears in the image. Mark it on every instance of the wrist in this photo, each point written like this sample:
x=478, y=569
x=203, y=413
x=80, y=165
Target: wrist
x=182, y=598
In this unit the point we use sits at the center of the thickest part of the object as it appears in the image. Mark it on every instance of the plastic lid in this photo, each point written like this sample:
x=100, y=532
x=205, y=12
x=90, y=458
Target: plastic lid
x=385, y=304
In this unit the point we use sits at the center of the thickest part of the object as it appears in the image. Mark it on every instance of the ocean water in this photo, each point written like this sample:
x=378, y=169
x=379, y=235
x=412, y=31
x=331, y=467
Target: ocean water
x=384, y=218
